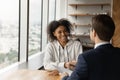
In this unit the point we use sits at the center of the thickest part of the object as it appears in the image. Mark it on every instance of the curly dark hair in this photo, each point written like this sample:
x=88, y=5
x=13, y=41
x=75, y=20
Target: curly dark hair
x=55, y=24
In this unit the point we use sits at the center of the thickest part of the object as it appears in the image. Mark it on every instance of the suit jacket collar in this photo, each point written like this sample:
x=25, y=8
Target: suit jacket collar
x=105, y=46
x=102, y=43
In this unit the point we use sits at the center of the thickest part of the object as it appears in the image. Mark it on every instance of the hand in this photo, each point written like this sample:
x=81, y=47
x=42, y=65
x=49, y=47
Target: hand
x=70, y=65
x=53, y=72
x=67, y=64
x=73, y=63
x=63, y=75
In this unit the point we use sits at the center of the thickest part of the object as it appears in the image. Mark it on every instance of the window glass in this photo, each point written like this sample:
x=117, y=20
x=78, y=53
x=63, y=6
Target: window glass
x=9, y=18
x=35, y=26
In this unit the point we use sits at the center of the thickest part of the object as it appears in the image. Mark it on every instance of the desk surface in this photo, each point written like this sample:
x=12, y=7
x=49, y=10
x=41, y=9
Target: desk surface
x=29, y=75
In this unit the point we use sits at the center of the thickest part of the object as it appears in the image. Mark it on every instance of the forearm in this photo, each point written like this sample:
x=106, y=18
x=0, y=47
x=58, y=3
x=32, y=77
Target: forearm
x=54, y=65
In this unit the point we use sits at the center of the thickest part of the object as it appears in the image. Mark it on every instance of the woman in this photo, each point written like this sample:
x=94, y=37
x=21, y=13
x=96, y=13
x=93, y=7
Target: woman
x=61, y=53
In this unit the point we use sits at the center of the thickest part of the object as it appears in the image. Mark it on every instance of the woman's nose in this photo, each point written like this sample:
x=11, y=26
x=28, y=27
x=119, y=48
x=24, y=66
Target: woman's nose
x=63, y=33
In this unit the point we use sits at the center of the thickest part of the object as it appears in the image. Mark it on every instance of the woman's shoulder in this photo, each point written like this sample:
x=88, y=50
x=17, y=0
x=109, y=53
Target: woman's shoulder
x=53, y=43
x=76, y=42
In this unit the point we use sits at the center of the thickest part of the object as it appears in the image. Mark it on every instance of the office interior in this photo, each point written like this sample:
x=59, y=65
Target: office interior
x=23, y=26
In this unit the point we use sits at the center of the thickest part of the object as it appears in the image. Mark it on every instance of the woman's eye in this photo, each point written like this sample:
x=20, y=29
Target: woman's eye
x=59, y=32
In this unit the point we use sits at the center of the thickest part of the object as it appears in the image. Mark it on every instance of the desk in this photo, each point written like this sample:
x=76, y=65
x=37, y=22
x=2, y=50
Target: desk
x=25, y=74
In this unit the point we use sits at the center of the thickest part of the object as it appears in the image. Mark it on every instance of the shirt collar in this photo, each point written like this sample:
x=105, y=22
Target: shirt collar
x=68, y=43
x=102, y=43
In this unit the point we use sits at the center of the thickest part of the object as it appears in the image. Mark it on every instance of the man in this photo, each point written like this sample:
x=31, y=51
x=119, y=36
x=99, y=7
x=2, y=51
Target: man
x=102, y=62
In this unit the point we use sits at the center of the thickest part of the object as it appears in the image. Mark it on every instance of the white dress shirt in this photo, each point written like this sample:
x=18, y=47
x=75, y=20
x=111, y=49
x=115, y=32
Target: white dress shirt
x=56, y=56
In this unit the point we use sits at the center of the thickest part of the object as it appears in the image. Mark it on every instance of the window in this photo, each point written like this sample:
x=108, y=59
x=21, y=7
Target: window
x=35, y=26
x=9, y=29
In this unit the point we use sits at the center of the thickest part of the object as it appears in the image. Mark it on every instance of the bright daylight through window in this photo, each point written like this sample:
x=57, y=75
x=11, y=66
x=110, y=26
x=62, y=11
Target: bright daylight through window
x=9, y=16
x=35, y=26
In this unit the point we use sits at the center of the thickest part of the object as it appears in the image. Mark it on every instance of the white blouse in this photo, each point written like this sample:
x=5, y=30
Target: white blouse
x=56, y=56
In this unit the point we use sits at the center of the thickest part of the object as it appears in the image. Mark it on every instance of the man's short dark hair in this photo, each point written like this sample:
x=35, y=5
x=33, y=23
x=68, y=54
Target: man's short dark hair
x=104, y=26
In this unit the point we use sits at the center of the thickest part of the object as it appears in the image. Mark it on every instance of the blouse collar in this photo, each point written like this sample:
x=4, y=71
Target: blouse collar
x=68, y=43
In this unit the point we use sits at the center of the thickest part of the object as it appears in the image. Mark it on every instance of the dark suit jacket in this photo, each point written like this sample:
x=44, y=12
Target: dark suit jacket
x=101, y=63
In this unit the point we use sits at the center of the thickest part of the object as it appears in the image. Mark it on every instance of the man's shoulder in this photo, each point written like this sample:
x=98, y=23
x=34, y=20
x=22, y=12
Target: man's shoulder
x=117, y=50
x=91, y=51
x=90, y=54
x=74, y=41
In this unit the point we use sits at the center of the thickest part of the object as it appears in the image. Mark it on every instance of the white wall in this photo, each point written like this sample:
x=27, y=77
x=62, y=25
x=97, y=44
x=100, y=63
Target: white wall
x=61, y=9
x=84, y=20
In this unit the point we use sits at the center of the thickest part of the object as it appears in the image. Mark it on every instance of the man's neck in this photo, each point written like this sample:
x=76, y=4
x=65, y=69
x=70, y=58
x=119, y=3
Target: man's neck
x=101, y=43
x=97, y=41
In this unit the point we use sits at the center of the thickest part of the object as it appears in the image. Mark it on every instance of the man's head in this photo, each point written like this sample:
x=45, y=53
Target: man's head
x=103, y=27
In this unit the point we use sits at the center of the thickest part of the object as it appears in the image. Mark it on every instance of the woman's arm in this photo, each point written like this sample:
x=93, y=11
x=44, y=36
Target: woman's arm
x=50, y=61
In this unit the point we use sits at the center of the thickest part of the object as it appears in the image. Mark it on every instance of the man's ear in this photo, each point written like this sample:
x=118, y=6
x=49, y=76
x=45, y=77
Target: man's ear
x=94, y=33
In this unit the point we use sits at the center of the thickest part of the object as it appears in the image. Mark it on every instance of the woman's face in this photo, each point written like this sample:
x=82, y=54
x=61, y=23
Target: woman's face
x=61, y=34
